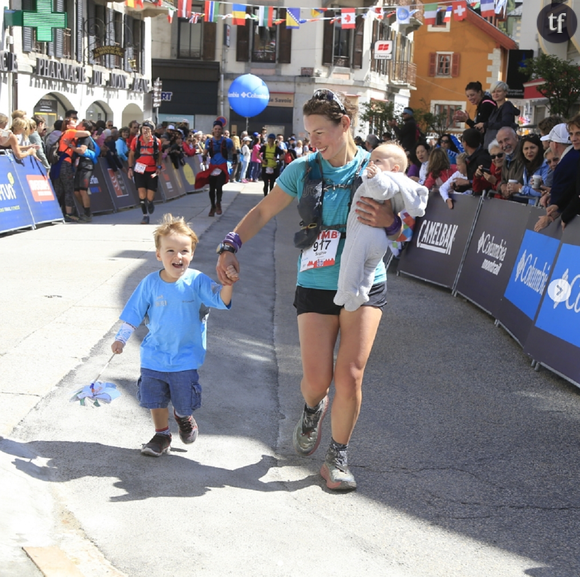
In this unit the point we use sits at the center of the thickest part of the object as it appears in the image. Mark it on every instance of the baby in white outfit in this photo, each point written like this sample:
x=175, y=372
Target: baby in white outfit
x=365, y=246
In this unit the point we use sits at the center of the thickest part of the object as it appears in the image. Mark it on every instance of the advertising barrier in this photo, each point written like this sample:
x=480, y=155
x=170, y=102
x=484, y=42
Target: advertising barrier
x=26, y=194
x=492, y=253
x=101, y=197
x=439, y=240
x=554, y=340
x=121, y=190
x=529, y=277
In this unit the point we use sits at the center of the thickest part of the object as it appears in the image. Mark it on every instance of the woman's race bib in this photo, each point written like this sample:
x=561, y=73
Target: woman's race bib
x=322, y=252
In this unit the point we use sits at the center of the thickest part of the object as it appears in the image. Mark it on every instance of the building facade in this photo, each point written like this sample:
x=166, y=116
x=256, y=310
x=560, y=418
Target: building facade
x=197, y=61
x=98, y=64
x=451, y=54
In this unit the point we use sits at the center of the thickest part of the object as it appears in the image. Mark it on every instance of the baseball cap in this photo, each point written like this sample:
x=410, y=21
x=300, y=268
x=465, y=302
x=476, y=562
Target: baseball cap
x=246, y=138
x=171, y=127
x=558, y=134
x=272, y=135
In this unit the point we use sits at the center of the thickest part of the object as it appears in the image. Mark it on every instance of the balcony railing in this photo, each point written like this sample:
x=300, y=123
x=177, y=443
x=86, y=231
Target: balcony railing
x=404, y=73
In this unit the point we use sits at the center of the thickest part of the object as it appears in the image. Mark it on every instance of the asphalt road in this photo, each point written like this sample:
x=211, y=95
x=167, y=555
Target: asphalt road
x=466, y=459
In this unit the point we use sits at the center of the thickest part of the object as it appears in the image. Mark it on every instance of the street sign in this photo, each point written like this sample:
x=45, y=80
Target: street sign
x=384, y=49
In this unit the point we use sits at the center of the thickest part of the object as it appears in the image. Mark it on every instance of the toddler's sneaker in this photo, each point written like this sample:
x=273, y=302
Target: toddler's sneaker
x=158, y=445
x=307, y=433
x=336, y=473
x=188, y=430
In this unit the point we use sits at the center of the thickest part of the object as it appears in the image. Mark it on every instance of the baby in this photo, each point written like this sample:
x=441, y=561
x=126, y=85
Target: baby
x=460, y=173
x=365, y=246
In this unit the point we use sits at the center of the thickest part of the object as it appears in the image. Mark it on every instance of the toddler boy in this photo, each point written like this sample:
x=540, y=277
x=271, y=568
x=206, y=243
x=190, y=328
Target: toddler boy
x=176, y=301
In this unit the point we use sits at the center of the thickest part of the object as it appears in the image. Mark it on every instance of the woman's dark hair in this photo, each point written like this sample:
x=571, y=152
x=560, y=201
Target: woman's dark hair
x=535, y=163
x=474, y=86
x=413, y=156
x=438, y=162
x=452, y=144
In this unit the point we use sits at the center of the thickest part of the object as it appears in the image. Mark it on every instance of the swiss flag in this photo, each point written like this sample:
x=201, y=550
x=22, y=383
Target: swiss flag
x=459, y=10
x=347, y=18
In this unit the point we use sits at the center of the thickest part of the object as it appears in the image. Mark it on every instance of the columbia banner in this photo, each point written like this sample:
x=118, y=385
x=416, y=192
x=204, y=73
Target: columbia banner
x=492, y=253
x=554, y=340
x=529, y=277
x=439, y=240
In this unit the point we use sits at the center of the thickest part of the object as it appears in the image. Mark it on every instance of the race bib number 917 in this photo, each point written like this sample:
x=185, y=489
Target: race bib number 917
x=322, y=252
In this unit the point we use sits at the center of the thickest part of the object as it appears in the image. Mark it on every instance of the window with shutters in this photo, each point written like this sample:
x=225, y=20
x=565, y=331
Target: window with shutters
x=196, y=41
x=257, y=43
x=444, y=64
x=343, y=47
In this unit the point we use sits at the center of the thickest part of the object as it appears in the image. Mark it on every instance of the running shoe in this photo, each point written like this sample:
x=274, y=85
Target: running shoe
x=336, y=473
x=86, y=218
x=145, y=219
x=158, y=445
x=188, y=430
x=71, y=218
x=307, y=433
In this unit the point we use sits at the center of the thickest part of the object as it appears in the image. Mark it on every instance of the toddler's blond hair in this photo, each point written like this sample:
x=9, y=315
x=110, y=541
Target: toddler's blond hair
x=174, y=225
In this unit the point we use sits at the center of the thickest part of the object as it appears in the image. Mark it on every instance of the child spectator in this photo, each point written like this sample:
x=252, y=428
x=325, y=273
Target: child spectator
x=176, y=301
x=460, y=173
x=439, y=169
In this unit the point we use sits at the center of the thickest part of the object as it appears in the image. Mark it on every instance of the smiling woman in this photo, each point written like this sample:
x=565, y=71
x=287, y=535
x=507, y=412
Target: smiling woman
x=322, y=183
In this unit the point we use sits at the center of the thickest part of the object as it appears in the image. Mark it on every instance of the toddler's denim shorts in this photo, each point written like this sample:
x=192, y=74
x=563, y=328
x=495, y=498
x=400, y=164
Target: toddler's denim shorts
x=156, y=389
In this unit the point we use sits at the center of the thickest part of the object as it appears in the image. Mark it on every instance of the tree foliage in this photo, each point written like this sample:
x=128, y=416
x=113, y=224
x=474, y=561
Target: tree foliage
x=561, y=84
x=378, y=114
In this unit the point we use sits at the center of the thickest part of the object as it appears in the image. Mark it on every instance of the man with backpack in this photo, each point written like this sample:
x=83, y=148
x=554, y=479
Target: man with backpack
x=145, y=163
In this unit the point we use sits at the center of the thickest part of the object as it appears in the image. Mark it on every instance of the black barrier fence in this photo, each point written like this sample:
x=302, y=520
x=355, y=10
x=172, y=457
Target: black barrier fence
x=486, y=250
x=27, y=197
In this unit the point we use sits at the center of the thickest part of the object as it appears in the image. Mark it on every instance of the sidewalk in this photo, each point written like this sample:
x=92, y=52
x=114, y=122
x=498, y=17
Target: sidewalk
x=62, y=289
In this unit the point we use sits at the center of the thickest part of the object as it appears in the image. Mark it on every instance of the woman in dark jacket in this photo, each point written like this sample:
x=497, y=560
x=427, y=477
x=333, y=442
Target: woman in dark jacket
x=504, y=114
x=485, y=106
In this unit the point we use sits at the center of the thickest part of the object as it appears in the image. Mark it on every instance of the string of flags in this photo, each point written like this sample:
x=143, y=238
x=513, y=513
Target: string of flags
x=345, y=17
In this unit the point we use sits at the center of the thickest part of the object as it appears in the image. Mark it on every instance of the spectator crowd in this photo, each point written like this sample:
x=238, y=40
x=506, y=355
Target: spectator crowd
x=491, y=156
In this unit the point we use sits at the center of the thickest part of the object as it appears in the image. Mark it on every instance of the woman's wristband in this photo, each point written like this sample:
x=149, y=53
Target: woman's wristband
x=234, y=239
x=395, y=227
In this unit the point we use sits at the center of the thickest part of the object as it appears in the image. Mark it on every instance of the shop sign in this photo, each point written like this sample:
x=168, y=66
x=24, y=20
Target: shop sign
x=8, y=62
x=112, y=50
x=140, y=85
x=281, y=99
x=117, y=81
x=60, y=71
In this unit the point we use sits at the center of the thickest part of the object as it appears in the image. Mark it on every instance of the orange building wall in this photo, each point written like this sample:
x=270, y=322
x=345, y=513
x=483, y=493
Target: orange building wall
x=473, y=44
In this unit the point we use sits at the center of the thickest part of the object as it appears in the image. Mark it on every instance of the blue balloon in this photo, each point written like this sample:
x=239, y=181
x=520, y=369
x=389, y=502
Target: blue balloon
x=248, y=95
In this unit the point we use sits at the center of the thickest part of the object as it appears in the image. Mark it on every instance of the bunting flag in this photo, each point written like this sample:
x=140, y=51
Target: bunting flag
x=195, y=17
x=500, y=6
x=317, y=12
x=431, y=14
x=211, y=11
x=130, y=3
x=403, y=15
x=239, y=15
x=474, y=4
x=447, y=17
x=347, y=18
x=292, y=18
x=379, y=12
x=487, y=8
x=459, y=10
x=266, y=16
x=158, y=2
x=139, y=4
x=184, y=8
x=170, y=14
